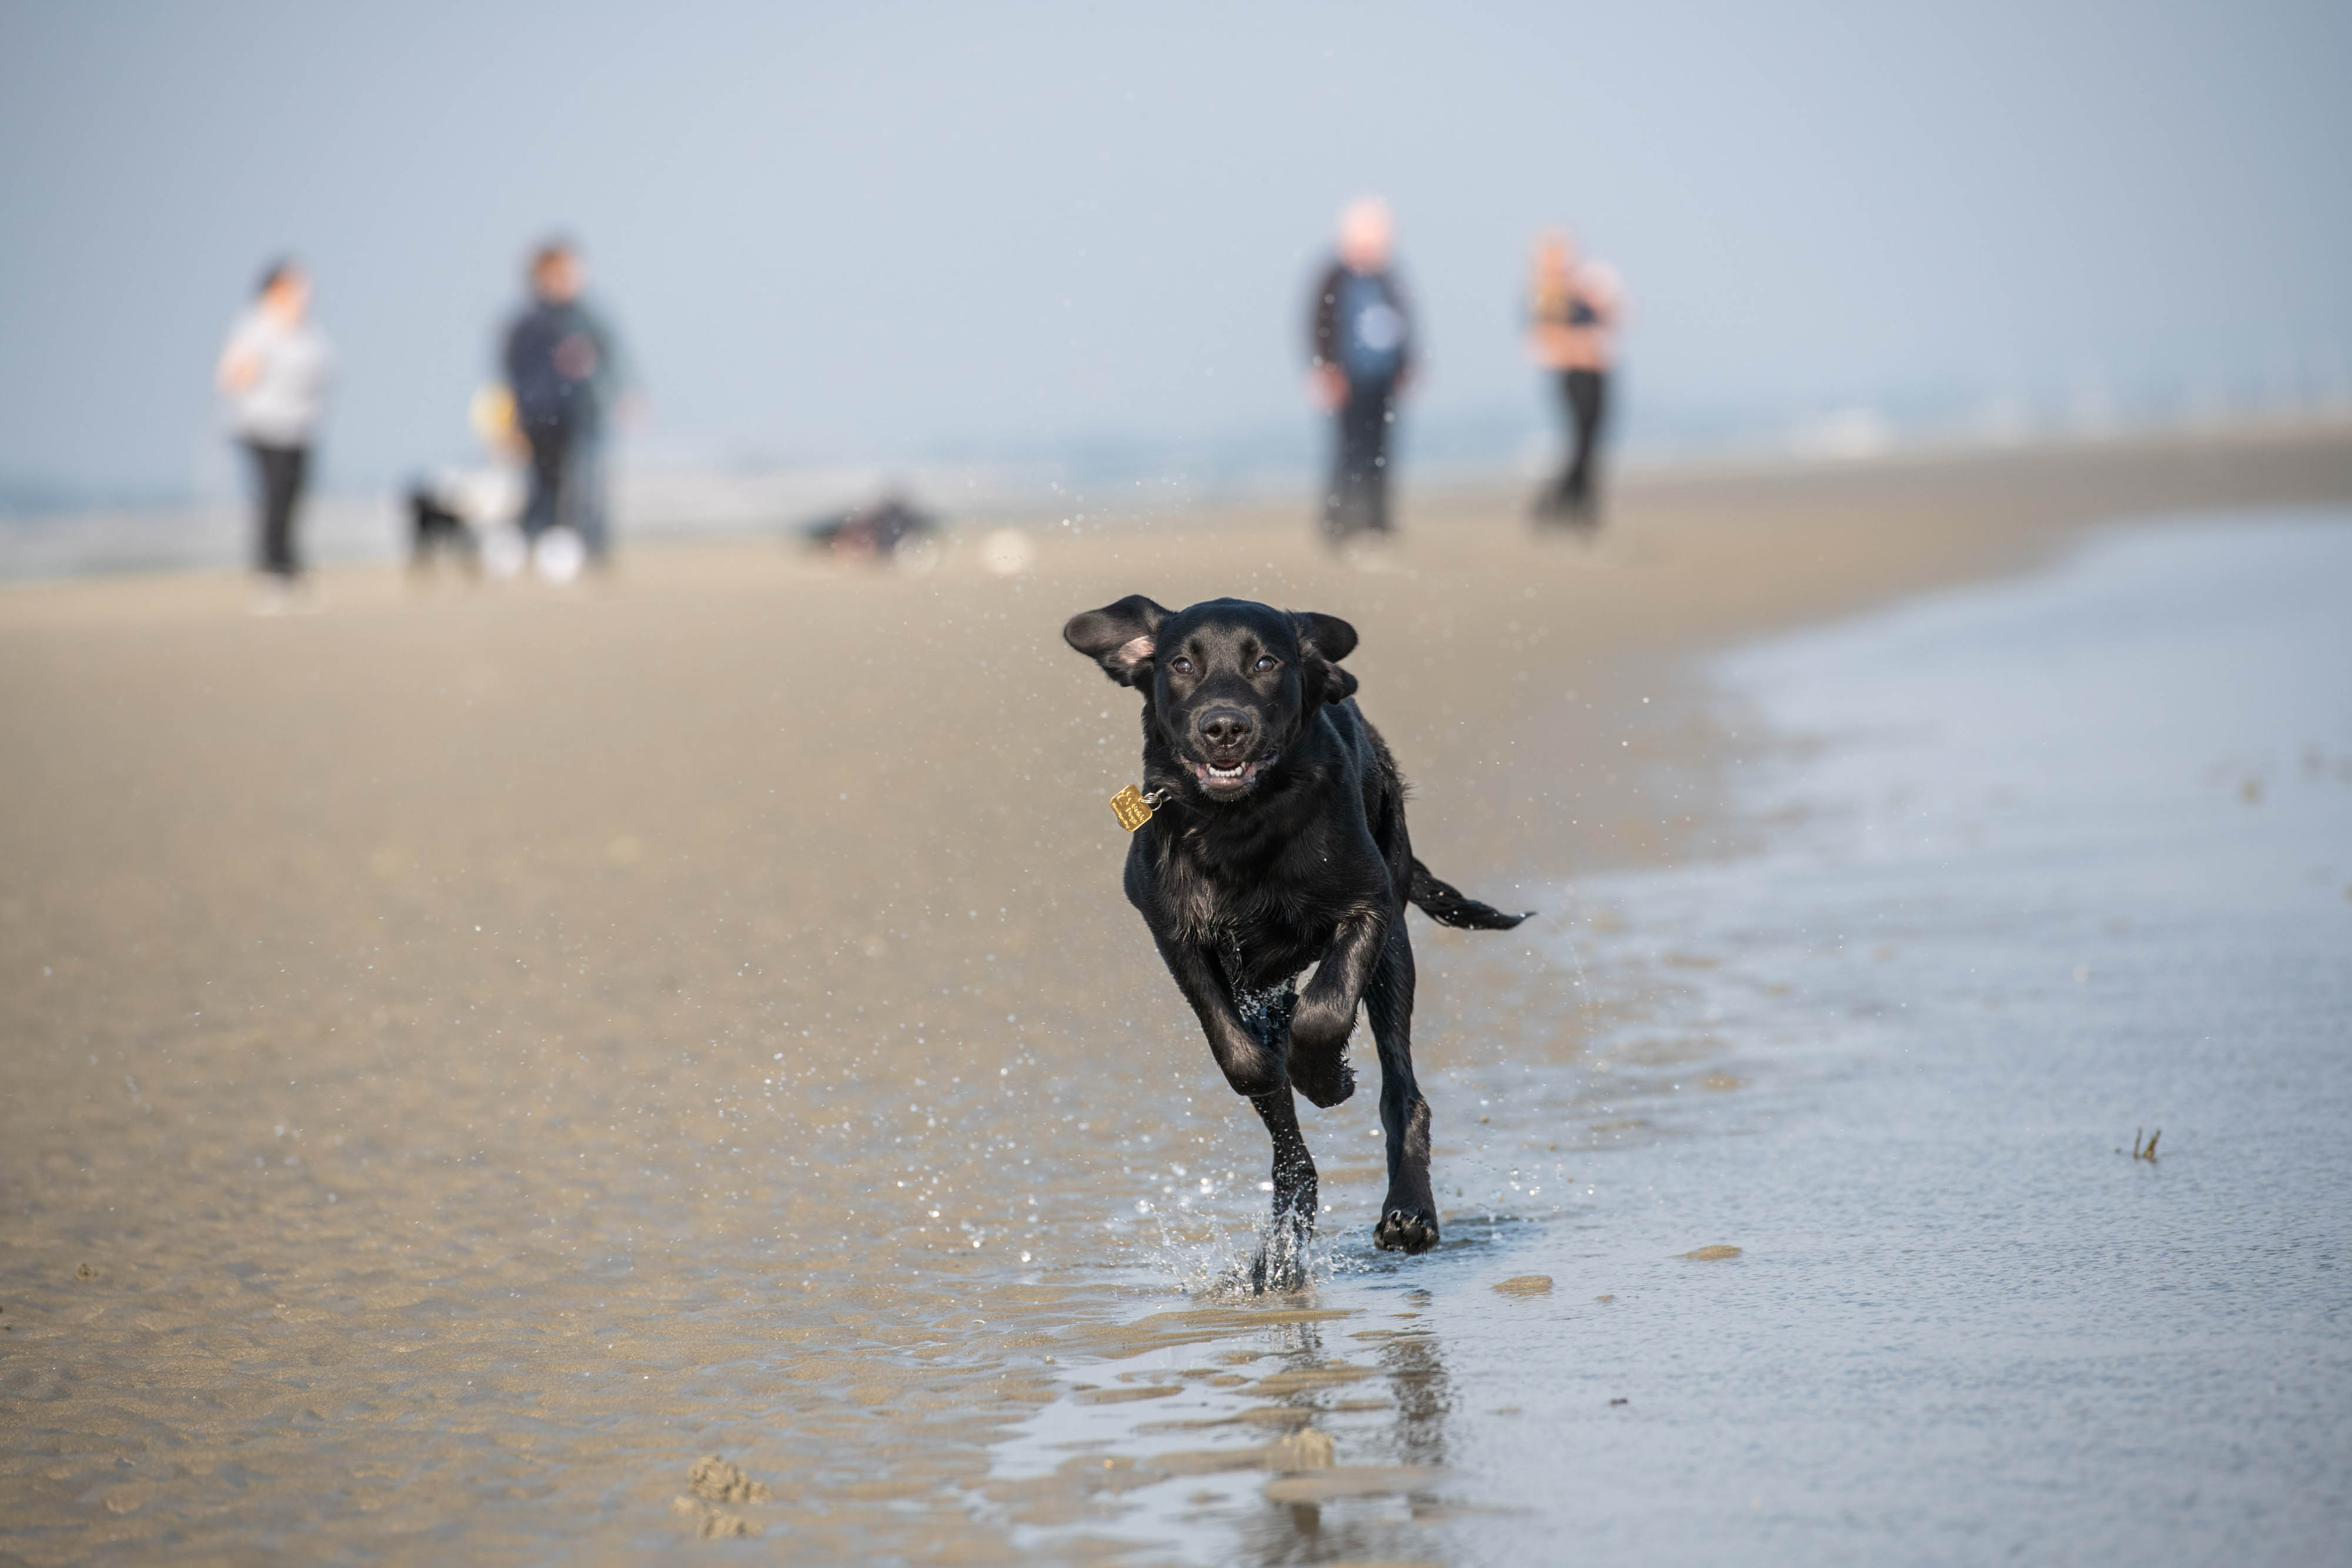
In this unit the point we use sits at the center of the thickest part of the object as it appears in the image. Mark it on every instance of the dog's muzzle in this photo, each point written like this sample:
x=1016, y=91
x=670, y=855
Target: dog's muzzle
x=1228, y=735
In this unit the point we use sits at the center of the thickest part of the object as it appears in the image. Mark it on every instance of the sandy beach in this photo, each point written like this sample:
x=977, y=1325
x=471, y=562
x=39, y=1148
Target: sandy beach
x=473, y=1052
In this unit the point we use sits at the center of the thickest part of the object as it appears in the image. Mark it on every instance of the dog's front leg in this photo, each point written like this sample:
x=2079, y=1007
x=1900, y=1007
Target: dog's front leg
x=1281, y=1262
x=1248, y=1065
x=1326, y=1010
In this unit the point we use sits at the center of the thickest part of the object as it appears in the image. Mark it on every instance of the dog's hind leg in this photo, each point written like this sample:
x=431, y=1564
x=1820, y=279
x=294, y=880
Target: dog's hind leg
x=1408, y=1220
x=1281, y=1262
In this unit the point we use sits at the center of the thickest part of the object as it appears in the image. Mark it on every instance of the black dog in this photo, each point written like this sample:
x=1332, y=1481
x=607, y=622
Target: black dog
x=438, y=524
x=1279, y=842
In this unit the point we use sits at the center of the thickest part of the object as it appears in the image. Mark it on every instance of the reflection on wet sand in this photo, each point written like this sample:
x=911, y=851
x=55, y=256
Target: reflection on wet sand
x=1308, y=1433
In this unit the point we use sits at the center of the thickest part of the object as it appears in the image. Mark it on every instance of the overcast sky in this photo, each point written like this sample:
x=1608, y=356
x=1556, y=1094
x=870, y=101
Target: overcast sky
x=903, y=231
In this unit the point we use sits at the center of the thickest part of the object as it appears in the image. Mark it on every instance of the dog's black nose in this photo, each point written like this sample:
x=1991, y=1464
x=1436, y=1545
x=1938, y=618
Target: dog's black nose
x=1226, y=728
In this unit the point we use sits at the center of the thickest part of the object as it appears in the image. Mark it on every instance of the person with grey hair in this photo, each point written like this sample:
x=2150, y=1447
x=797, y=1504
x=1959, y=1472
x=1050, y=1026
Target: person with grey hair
x=275, y=372
x=1360, y=340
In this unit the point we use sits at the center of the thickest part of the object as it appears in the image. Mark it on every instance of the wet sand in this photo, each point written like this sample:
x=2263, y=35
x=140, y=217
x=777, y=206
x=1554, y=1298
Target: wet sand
x=473, y=1055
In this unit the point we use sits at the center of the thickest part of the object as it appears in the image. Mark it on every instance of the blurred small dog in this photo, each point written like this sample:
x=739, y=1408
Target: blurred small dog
x=438, y=526
x=1278, y=840
x=892, y=530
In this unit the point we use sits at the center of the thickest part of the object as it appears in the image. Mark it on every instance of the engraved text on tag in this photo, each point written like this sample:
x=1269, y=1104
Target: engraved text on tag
x=1131, y=808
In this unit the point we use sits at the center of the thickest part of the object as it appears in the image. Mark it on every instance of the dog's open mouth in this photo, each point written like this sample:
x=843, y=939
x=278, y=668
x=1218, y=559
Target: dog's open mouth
x=1219, y=778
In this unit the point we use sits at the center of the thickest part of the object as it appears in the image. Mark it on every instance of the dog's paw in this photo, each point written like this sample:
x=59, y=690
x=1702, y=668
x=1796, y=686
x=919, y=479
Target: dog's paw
x=1284, y=1261
x=1326, y=1082
x=1411, y=1232
x=1275, y=1272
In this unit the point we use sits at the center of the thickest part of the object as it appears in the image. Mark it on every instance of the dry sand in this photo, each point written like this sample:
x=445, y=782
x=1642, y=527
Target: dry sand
x=471, y=1055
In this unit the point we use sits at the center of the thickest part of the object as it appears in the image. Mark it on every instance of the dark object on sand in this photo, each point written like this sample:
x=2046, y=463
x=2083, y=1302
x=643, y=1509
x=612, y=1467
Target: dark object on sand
x=438, y=527
x=2143, y=1151
x=1276, y=838
x=879, y=531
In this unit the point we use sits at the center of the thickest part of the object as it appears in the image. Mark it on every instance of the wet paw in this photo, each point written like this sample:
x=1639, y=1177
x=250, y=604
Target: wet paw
x=1405, y=1230
x=1281, y=1263
x=1324, y=1083
x=1274, y=1273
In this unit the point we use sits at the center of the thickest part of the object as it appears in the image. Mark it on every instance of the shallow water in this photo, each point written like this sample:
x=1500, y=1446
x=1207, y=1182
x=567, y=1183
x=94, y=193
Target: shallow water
x=472, y=1056
x=2047, y=865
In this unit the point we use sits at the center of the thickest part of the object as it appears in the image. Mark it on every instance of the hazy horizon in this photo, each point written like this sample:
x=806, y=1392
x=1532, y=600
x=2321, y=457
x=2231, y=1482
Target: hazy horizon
x=907, y=234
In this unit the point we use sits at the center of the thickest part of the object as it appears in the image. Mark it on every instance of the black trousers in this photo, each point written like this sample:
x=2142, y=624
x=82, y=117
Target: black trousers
x=551, y=451
x=1584, y=398
x=282, y=470
x=1358, y=499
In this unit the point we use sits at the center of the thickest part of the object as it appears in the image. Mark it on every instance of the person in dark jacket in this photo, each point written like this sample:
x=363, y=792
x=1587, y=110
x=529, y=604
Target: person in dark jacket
x=563, y=368
x=1360, y=343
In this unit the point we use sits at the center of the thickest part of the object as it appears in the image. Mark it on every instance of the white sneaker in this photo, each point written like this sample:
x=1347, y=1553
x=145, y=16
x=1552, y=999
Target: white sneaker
x=559, y=556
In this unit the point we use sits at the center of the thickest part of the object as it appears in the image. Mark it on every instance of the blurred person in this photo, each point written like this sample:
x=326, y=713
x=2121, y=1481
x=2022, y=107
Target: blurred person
x=1360, y=344
x=1573, y=310
x=274, y=371
x=500, y=492
x=563, y=372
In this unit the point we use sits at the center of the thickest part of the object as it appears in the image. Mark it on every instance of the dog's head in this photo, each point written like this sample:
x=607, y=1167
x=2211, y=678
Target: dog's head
x=1229, y=683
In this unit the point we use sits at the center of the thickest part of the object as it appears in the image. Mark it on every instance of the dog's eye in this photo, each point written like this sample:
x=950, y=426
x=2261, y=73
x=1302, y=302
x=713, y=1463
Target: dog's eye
x=1181, y=664
x=1268, y=662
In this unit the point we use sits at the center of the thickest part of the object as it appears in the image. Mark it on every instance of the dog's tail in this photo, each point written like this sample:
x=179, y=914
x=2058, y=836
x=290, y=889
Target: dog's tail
x=1449, y=906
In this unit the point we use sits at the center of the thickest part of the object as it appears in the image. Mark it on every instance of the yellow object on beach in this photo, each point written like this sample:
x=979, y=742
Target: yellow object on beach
x=492, y=415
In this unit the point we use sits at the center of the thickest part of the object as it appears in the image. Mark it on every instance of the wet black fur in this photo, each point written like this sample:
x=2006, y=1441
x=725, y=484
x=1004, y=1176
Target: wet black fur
x=1307, y=862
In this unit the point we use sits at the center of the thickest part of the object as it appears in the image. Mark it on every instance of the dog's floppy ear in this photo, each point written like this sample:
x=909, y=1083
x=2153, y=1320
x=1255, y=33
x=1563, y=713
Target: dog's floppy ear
x=1324, y=641
x=1119, y=637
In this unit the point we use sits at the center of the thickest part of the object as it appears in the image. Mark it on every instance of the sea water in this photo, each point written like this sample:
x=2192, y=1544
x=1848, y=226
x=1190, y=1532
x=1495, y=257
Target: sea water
x=1840, y=1241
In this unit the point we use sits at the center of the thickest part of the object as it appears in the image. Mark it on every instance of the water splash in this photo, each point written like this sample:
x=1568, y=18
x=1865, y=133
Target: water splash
x=1274, y=1256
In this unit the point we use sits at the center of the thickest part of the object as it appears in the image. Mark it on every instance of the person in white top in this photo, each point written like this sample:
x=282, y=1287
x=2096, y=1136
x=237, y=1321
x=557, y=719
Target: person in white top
x=274, y=372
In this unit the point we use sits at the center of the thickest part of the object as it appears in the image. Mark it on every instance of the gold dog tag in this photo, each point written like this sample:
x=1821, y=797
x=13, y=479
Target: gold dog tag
x=1130, y=808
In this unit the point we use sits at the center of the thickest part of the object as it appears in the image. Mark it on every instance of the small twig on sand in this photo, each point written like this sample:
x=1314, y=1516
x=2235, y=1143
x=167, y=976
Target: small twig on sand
x=2148, y=1151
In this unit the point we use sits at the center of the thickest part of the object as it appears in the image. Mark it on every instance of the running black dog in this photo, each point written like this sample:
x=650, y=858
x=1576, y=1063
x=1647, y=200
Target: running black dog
x=1279, y=842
